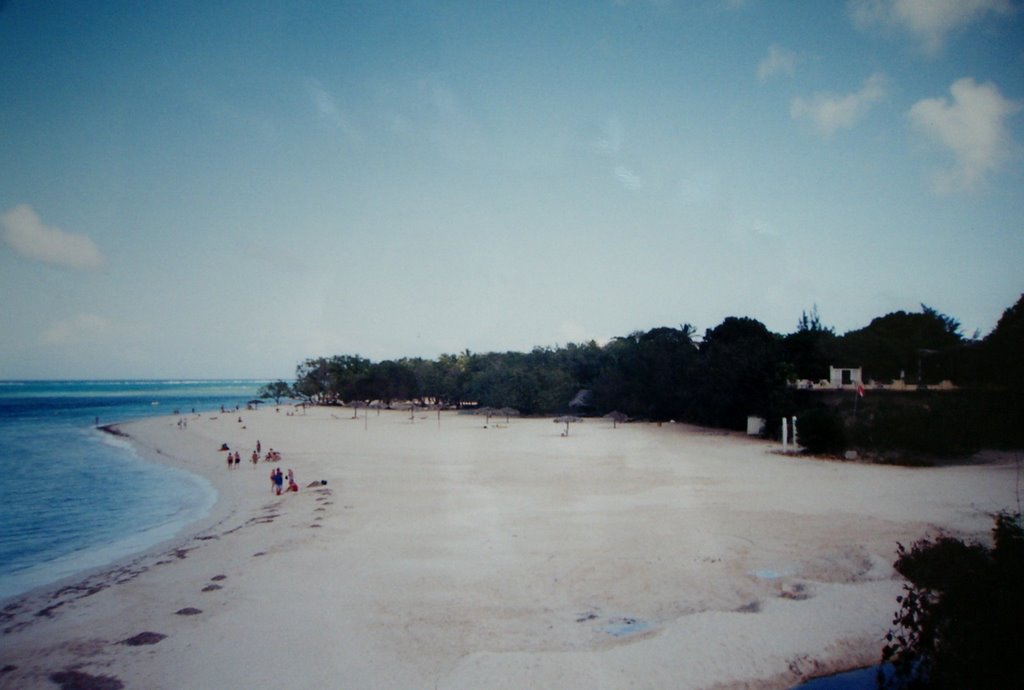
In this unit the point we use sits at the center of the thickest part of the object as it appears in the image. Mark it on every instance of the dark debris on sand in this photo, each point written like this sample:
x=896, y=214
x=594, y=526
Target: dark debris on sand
x=76, y=680
x=189, y=611
x=143, y=638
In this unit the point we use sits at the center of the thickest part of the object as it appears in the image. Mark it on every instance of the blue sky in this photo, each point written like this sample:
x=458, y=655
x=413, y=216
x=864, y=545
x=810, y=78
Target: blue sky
x=196, y=189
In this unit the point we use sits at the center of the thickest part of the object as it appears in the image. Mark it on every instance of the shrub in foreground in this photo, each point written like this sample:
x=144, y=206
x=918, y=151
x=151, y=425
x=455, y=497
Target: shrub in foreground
x=960, y=620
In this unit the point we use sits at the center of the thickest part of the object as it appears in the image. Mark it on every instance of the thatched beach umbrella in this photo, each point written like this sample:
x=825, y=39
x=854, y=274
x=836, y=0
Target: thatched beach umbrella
x=616, y=417
x=355, y=405
x=567, y=420
x=411, y=406
x=487, y=412
x=508, y=412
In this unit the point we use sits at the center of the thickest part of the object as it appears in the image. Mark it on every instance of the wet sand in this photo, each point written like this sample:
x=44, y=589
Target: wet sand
x=443, y=554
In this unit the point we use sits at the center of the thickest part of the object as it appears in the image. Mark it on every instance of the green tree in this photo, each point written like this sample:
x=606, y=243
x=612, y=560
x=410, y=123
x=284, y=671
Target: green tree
x=276, y=390
x=812, y=349
x=389, y=381
x=1001, y=350
x=740, y=372
x=901, y=343
x=313, y=380
x=349, y=377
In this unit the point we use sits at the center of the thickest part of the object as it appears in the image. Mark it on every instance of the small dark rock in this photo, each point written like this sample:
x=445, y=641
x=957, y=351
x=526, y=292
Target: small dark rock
x=189, y=611
x=143, y=638
x=76, y=680
x=212, y=588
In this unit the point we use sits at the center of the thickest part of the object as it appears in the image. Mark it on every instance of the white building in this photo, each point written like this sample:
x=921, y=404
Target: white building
x=843, y=378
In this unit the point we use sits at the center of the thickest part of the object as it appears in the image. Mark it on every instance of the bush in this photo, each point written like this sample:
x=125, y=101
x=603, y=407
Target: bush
x=821, y=430
x=959, y=624
x=939, y=430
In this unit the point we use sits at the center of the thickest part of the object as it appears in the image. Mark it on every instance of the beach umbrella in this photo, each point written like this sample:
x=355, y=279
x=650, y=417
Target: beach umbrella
x=355, y=405
x=411, y=406
x=487, y=412
x=616, y=417
x=508, y=412
x=567, y=420
x=378, y=405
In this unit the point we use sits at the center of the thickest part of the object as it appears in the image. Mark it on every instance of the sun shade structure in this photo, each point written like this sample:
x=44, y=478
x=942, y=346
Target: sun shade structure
x=567, y=420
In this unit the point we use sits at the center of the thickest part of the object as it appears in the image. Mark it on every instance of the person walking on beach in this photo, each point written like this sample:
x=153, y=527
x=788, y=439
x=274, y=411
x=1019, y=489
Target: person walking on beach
x=258, y=446
x=238, y=459
x=255, y=458
x=278, y=481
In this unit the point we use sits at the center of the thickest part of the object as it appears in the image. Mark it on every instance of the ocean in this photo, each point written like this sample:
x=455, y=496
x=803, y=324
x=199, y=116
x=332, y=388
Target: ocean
x=77, y=498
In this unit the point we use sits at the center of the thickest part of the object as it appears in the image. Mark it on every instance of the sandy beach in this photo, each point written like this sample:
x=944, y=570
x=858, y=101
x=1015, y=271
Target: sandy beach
x=442, y=554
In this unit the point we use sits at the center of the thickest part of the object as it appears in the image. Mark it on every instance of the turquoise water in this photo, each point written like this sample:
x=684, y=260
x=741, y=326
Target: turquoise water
x=77, y=498
x=859, y=679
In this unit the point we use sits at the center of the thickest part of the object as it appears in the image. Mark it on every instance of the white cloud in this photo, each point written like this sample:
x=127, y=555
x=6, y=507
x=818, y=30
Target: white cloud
x=27, y=235
x=929, y=20
x=83, y=328
x=832, y=112
x=451, y=126
x=327, y=109
x=628, y=179
x=972, y=127
x=610, y=140
x=779, y=61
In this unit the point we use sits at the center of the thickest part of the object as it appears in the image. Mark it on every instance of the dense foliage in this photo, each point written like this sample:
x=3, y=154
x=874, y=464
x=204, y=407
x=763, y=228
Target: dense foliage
x=736, y=369
x=959, y=624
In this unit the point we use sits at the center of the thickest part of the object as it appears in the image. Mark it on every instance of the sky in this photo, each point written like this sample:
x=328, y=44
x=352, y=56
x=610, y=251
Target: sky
x=197, y=189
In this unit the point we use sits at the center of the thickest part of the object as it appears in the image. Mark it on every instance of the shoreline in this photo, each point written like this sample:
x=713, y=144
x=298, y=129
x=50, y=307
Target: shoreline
x=440, y=553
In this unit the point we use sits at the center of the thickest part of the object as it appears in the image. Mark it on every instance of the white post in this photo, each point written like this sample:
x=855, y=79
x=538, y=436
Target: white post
x=795, y=443
x=785, y=433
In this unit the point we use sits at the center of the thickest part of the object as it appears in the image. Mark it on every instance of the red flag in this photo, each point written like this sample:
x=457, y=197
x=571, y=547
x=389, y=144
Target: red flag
x=860, y=389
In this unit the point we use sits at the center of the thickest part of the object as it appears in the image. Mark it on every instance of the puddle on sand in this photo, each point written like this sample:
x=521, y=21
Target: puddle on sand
x=624, y=627
x=770, y=574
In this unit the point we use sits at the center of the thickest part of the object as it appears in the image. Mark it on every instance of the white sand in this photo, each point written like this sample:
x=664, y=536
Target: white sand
x=446, y=555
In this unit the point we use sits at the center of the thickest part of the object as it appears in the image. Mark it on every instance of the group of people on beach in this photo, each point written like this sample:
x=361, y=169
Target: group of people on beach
x=277, y=477
x=235, y=458
x=277, y=481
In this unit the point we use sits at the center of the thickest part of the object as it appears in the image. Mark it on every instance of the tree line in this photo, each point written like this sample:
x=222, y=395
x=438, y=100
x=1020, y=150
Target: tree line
x=736, y=369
